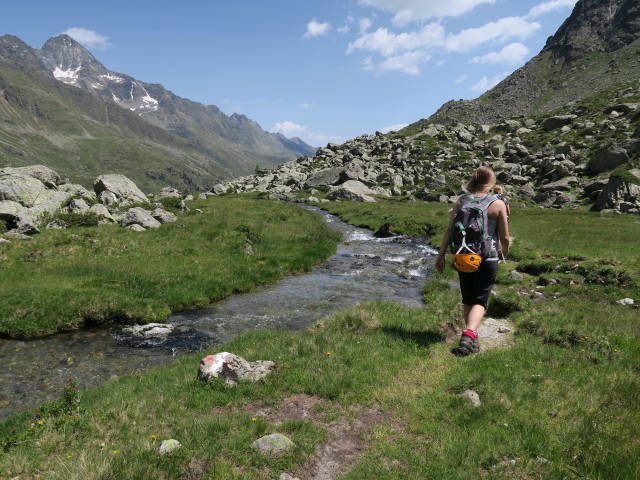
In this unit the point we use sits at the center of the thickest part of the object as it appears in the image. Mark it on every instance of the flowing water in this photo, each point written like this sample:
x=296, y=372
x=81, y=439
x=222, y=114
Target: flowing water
x=34, y=371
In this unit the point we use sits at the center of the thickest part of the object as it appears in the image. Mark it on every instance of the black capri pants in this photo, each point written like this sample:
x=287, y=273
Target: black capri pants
x=476, y=286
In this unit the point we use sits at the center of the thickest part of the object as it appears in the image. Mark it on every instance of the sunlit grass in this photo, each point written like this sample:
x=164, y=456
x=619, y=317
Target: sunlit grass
x=66, y=279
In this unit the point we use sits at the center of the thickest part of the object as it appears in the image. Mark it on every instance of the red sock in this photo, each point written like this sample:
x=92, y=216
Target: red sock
x=470, y=333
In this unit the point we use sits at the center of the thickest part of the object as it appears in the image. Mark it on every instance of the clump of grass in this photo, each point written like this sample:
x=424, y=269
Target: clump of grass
x=173, y=203
x=506, y=303
x=88, y=219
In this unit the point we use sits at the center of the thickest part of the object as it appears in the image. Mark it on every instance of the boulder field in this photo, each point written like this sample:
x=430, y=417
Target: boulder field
x=36, y=195
x=588, y=157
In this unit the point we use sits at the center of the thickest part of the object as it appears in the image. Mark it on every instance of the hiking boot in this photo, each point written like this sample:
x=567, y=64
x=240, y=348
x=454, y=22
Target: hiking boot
x=468, y=345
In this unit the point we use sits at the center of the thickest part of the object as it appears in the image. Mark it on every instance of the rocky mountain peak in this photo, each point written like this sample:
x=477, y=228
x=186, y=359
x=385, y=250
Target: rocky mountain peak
x=69, y=61
x=595, y=26
x=595, y=50
x=16, y=53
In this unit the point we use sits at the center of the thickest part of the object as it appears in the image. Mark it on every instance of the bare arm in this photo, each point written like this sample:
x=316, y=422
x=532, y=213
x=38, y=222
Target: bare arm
x=445, y=239
x=503, y=228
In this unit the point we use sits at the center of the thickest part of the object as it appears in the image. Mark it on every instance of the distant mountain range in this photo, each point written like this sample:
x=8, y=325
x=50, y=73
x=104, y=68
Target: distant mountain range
x=595, y=50
x=61, y=107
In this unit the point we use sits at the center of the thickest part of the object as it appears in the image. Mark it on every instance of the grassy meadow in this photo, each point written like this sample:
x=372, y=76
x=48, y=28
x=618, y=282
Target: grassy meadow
x=560, y=403
x=65, y=279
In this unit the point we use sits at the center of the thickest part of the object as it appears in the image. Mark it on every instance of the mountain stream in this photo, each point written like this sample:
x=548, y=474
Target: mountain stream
x=34, y=371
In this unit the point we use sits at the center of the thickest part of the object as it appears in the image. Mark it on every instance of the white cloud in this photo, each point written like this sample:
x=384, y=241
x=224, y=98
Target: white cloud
x=407, y=11
x=434, y=36
x=89, y=38
x=512, y=54
x=502, y=30
x=547, y=7
x=461, y=78
x=408, y=63
x=485, y=83
x=306, y=105
x=394, y=128
x=364, y=25
x=288, y=129
x=387, y=43
x=315, y=29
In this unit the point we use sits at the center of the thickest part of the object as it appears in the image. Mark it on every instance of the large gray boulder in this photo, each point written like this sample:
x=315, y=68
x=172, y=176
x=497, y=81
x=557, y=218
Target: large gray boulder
x=47, y=176
x=17, y=218
x=352, y=190
x=78, y=191
x=103, y=213
x=607, y=158
x=139, y=216
x=620, y=195
x=326, y=177
x=230, y=368
x=551, y=123
x=168, y=192
x=163, y=216
x=78, y=205
x=31, y=193
x=21, y=188
x=115, y=188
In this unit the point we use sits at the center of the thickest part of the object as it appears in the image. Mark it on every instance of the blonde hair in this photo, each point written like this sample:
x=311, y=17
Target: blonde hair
x=483, y=179
x=497, y=189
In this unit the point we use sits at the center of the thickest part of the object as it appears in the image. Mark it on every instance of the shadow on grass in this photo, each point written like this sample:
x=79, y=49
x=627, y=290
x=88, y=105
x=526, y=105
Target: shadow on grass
x=422, y=339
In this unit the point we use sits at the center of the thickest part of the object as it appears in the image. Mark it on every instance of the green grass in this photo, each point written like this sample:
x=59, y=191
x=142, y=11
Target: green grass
x=65, y=279
x=560, y=403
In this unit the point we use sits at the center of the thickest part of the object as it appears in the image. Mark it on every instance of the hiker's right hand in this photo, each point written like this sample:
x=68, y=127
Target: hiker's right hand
x=440, y=263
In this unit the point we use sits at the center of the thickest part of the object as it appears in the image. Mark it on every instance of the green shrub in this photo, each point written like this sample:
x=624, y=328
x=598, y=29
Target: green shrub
x=172, y=202
x=251, y=232
x=88, y=219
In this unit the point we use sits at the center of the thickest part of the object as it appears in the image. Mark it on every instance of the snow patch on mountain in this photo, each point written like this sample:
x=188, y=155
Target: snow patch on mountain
x=70, y=76
x=113, y=78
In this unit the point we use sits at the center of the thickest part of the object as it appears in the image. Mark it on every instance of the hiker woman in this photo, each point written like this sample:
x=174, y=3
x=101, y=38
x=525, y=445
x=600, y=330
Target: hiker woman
x=475, y=286
x=499, y=192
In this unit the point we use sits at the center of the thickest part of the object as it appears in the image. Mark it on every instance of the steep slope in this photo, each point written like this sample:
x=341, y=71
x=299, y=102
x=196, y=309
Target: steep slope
x=44, y=121
x=158, y=137
x=241, y=139
x=595, y=49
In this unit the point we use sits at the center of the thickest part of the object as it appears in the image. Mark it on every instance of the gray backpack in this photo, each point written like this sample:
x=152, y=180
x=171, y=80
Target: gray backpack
x=469, y=232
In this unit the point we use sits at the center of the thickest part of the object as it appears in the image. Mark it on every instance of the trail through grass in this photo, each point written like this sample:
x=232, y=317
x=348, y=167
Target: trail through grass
x=560, y=403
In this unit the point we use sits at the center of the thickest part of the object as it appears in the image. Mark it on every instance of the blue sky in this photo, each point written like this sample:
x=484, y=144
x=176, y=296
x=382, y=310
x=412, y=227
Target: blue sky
x=324, y=70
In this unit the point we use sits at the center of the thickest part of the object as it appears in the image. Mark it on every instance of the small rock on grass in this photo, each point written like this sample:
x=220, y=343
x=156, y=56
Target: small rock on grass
x=516, y=276
x=626, y=301
x=169, y=445
x=286, y=476
x=230, y=368
x=472, y=396
x=273, y=444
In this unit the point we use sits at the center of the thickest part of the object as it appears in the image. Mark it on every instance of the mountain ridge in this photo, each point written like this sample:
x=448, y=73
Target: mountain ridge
x=585, y=55
x=219, y=146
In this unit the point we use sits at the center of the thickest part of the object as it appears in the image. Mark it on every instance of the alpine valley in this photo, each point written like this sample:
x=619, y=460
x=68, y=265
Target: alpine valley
x=60, y=107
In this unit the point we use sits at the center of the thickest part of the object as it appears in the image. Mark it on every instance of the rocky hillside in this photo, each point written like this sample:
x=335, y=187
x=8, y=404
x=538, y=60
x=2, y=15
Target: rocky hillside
x=205, y=144
x=587, y=155
x=562, y=131
x=597, y=48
